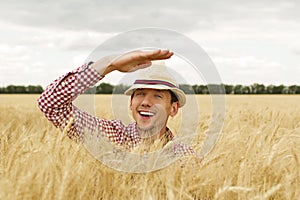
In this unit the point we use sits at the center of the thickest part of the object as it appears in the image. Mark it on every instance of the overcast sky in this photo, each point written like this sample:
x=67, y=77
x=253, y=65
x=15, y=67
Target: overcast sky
x=255, y=41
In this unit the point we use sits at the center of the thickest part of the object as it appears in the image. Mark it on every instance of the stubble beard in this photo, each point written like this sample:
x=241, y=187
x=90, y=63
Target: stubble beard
x=151, y=131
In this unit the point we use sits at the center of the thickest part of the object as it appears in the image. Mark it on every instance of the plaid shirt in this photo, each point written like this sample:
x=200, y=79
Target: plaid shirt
x=56, y=103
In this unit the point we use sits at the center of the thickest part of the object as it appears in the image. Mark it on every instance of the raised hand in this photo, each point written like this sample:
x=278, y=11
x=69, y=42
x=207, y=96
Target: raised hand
x=139, y=59
x=135, y=60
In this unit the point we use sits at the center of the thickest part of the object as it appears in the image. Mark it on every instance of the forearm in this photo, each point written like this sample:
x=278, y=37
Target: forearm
x=104, y=66
x=56, y=101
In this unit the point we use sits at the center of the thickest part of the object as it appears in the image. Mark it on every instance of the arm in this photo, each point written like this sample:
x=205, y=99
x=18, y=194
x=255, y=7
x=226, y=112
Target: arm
x=130, y=61
x=56, y=101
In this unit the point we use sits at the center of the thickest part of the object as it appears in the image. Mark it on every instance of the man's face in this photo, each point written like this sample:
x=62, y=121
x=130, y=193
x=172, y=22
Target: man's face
x=151, y=109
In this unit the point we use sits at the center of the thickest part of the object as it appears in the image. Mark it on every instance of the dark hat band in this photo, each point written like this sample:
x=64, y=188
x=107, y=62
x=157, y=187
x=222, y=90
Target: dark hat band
x=155, y=82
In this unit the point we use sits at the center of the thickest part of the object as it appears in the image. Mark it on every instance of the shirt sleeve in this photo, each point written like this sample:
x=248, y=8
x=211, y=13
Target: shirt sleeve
x=56, y=101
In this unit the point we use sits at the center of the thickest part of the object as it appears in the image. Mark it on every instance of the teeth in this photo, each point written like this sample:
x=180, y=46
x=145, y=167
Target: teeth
x=146, y=113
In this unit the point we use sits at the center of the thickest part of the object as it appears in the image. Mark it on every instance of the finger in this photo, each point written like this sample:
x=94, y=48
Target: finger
x=162, y=57
x=160, y=54
x=165, y=54
x=168, y=54
x=150, y=54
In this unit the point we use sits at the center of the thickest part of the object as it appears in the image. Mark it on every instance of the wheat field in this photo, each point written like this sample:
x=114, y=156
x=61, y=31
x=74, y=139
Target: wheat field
x=256, y=157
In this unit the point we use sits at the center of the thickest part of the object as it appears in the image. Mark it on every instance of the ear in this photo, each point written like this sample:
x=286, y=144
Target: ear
x=174, y=109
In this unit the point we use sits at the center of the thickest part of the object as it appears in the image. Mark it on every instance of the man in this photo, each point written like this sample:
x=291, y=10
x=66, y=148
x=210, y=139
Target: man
x=154, y=97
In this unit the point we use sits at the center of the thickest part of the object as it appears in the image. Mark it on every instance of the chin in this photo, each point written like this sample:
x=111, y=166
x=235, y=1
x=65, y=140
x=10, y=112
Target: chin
x=149, y=130
x=146, y=127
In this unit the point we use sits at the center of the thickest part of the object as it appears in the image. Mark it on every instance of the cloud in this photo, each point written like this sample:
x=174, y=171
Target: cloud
x=116, y=16
x=296, y=50
x=80, y=25
x=102, y=16
x=249, y=69
x=244, y=39
x=16, y=62
x=66, y=40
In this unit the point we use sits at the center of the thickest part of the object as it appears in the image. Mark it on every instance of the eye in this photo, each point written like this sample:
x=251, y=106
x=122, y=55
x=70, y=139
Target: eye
x=140, y=93
x=158, y=96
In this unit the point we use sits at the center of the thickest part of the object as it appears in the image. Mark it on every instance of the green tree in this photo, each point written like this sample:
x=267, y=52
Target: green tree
x=285, y=90
x=104, y=88
x=196, y=89
x=269, y=89
x=229, y=89
x=203, y=89
x=120, y=89
x=187, y=88
x=298, y=89
x=237, y=89
x=31, y=89
x=292, y=89
x=216, y=88
x=257, y=88
x=278, y=89
x=260, y=89
x=246, y=90
x=18, y=89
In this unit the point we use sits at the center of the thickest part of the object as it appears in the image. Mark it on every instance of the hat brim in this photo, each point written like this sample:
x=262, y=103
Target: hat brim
x=179, y=93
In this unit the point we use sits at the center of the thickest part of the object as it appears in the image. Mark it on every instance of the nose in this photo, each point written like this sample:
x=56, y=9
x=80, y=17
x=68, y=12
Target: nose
x=146, y=102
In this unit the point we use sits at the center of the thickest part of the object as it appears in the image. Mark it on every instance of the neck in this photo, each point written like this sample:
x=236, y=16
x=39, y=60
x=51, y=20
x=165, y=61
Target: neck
x=151, y=135
x=152, y=138
x=154, y=142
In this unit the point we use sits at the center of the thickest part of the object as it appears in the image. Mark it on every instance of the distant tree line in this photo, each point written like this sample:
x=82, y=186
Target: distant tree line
x=240, y=89
x=106, y=88
x=20, y=89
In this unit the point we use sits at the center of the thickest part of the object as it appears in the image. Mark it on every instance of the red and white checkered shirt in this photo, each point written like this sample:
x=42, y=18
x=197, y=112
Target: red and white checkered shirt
x=56, y=103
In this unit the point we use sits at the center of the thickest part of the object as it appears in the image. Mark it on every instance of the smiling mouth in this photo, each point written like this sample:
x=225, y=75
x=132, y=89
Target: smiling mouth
x=146, y=113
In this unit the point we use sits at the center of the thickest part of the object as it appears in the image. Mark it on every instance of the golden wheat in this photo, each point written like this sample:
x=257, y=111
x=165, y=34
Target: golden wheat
x=256, y=157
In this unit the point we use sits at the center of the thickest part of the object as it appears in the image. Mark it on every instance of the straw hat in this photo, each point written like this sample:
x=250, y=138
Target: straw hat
x=157, y=77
